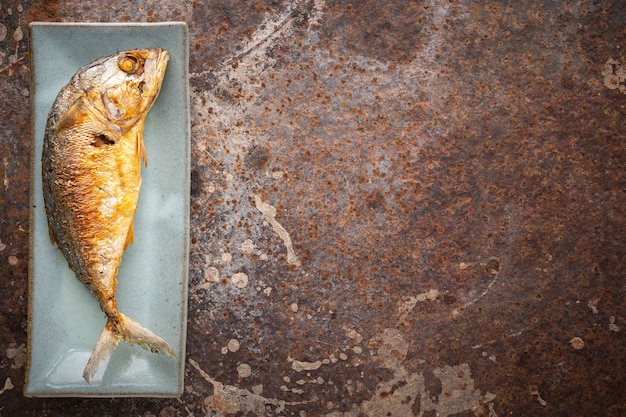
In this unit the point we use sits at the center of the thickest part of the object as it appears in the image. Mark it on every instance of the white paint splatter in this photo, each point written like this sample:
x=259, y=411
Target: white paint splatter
x=18, y=35
x=233, y=345
x=244, y=370
x=212, y=274
x=8, y=385
x=614, y=73
x=3, y=32
x=5, y=161
x=458, y=387
x=300, y=366
x=240, y=280
x=577, y=343
x=398, y=395
x=247, y=246
x=409, y=303
x=269, y=212
x=534, y=390
x=227, y=399
x=18, y=354
x=354, y=335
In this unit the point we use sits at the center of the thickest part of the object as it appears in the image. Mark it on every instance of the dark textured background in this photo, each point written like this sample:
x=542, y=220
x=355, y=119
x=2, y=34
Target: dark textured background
x=452, y=179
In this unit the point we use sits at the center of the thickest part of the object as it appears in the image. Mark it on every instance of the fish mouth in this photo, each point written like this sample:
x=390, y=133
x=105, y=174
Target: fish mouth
x=162, y=58
x=156, y=60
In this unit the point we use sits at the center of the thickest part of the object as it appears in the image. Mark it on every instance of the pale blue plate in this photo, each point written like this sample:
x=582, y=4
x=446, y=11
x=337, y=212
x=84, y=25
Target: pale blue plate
x=64, y=318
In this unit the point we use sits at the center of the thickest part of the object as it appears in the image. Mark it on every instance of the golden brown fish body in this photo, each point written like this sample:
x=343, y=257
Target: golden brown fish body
x=91, y=167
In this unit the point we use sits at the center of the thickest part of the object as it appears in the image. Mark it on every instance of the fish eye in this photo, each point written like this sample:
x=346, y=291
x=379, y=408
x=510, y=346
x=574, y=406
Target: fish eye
x=128, y=63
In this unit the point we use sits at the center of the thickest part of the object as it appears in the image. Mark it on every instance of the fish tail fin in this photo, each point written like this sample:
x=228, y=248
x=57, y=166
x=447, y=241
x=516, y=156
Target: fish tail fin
x=106, y=344
x=136, y=334
x=133, y=333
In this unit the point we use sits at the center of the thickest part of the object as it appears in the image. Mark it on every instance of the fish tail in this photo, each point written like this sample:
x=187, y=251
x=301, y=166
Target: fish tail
x=123, y=327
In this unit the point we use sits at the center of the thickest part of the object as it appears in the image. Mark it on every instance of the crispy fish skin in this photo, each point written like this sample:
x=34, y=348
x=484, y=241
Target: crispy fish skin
x=91, y=172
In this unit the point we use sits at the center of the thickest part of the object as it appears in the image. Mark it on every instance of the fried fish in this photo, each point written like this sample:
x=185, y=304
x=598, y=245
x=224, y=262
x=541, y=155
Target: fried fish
x=91, y=172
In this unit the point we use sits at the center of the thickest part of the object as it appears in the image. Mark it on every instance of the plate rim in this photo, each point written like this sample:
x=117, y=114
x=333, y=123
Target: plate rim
x=186, y=222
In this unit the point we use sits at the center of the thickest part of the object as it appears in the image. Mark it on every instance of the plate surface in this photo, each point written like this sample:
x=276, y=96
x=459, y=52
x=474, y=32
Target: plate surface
x=64, y=318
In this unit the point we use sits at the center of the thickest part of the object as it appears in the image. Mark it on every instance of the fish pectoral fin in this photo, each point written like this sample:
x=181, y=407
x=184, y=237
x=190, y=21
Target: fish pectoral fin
x=141, y=148
x=130, y=237
x=51, y=233
x=73, y=116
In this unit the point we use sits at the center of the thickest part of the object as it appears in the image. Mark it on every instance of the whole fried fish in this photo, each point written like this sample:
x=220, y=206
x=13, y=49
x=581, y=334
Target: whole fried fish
x=92, y=153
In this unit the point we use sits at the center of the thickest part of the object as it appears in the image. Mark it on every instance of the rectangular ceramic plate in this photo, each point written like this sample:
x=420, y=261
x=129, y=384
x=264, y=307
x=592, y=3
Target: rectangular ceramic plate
x=64, y=318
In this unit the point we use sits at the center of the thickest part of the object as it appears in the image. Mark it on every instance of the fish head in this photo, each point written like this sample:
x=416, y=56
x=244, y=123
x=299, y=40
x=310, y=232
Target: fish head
x=123, y=87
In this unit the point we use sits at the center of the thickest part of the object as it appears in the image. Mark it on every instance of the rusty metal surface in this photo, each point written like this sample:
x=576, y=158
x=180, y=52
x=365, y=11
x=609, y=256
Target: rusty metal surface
x=415, y=208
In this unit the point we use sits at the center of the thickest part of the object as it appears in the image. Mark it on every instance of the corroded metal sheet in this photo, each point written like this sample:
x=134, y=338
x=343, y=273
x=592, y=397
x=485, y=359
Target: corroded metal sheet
x=408, y=208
